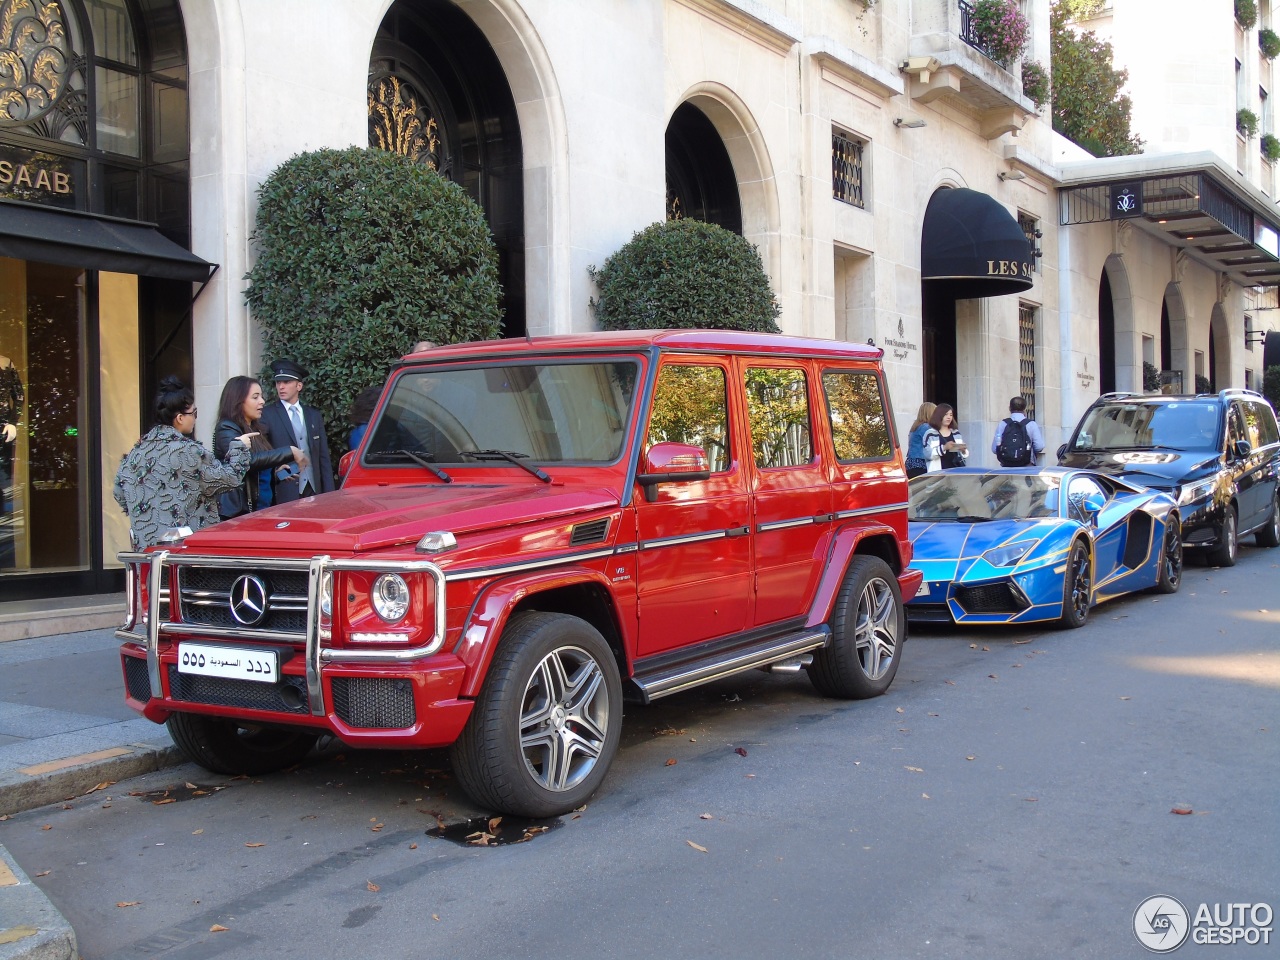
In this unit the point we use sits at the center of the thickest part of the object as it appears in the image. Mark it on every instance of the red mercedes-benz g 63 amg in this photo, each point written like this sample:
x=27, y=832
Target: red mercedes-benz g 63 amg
x=529, y=531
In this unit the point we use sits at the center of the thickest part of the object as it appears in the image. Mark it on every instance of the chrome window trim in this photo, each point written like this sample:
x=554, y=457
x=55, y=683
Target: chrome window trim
x=555, y=561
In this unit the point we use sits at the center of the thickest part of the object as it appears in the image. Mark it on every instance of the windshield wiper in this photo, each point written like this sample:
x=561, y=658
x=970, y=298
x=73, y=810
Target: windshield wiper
x=974, y=518
x=511, y=457
x=385, y=456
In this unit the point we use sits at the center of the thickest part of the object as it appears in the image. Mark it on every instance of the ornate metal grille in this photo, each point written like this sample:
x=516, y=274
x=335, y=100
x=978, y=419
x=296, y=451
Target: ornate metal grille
x=1031, y=228
x=400, y=121
x=846, y=169
x=1027, y=356
x=42, y=81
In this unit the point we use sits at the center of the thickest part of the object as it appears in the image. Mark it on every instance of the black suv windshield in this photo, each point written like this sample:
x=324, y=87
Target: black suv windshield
x=1145, y=425
x=547, y=412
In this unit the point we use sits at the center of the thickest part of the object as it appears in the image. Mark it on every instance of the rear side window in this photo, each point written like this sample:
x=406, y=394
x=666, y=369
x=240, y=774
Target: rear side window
x=690, y=405
x=1260, y=424
x=778, y=408
x=859, y=424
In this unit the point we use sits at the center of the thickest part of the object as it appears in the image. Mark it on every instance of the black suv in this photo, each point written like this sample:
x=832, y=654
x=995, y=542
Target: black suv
x=1218, y=455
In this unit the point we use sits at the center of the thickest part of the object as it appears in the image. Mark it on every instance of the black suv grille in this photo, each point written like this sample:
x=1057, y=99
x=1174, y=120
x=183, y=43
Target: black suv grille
x=206, y=595
x=287, y=696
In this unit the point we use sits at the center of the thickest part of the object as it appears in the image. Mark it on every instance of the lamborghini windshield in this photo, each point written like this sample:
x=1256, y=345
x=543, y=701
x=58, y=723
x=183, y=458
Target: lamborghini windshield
x=550, y=412
x=975, y=497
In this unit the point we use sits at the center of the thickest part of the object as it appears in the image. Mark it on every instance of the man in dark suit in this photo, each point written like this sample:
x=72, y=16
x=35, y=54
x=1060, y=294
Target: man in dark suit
x=289, y=421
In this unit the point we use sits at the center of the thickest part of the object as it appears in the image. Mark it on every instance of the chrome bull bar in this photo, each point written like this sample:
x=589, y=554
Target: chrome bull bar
x=316, y=633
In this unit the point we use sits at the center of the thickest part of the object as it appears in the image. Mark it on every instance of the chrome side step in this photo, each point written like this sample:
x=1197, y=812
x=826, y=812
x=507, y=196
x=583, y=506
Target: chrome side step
x=693, y=673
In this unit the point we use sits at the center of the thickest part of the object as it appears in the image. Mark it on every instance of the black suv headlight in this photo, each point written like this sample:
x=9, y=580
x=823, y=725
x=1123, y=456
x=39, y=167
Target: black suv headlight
x=1191, y=492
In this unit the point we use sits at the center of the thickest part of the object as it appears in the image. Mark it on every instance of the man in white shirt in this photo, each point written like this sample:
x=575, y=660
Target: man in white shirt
x=292, y=422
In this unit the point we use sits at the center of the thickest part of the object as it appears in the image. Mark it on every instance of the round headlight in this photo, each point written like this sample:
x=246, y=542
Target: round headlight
x=326, y=594
x=390, y=596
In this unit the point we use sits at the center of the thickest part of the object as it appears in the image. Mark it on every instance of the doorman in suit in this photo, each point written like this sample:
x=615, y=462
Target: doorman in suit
x=290, y=421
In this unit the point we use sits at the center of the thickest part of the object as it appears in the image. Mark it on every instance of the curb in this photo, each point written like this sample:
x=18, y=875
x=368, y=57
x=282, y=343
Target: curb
x=31, y=928
x=45, y=783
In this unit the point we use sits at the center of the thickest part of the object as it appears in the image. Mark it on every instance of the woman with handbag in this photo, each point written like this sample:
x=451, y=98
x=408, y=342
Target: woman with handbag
x=239, y=411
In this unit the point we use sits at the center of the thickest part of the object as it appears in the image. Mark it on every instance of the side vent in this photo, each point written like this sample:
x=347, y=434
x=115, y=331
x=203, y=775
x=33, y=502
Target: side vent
x=593, y=532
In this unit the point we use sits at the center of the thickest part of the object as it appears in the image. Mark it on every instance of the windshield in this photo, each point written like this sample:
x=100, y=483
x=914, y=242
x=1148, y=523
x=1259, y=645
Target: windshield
x=1174, y=425
x=545, y=412
x=974, y=497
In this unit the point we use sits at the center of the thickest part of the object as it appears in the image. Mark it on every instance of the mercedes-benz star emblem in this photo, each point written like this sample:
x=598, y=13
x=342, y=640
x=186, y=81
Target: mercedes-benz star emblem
x=248, y=600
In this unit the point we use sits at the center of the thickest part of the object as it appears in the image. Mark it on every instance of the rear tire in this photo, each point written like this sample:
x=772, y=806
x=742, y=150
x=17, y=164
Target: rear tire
x=1268, y=535
x=546, y=725
x=1224, y=555
x=868, y=629
x=1077, y=588
x=1170, y=577
x=226, y=746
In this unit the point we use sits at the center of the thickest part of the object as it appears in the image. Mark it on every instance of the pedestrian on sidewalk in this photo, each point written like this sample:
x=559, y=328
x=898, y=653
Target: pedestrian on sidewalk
x=240, y=412
x=1018, y=441
x=169, y=479
x=288, y=416
x=916, y=462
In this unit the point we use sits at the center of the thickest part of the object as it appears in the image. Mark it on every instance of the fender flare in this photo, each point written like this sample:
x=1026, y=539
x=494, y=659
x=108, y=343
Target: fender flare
x=492, y=607
x=843, y=547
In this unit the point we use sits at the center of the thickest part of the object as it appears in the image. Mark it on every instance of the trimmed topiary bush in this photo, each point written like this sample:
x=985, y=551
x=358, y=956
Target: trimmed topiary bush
x=362, y=253
x=685, y=274
x=1203, y=384
x=1150, y=377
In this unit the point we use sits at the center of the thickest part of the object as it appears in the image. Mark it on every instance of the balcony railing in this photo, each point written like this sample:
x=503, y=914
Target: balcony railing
x=970, y=36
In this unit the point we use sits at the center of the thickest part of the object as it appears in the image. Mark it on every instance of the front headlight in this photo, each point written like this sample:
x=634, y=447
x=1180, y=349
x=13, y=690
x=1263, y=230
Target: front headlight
x=390, y=596
x=1196, y=491
x=326, y=594
x=1009, y=554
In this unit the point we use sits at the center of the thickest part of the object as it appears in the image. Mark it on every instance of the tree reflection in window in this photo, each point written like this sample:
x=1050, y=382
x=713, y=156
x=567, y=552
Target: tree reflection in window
x=859, y=425
x=690, y=406
x=778, y=408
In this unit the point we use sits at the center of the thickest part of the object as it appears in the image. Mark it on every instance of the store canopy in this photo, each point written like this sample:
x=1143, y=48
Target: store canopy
x=29, y=232
x=973, y=248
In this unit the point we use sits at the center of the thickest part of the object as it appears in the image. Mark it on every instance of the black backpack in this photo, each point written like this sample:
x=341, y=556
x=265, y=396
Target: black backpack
x=1015, y=444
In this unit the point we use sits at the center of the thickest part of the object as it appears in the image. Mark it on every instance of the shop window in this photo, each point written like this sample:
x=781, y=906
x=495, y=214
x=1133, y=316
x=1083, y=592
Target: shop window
x=1027, y=315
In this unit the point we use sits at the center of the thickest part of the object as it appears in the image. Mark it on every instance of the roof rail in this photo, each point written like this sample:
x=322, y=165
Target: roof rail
x=1120, y=395
x=1240, y=392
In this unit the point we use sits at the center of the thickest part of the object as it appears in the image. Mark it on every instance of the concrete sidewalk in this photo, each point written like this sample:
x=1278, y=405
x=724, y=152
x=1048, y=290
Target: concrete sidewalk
x=64, y=731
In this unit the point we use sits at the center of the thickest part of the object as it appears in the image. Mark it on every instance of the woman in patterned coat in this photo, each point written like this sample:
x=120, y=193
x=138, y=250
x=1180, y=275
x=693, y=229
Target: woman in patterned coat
x=168, y=479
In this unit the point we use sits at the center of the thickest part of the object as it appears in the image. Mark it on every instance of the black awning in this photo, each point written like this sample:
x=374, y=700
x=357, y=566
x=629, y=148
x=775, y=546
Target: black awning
x=71, y=239
x=972, y=248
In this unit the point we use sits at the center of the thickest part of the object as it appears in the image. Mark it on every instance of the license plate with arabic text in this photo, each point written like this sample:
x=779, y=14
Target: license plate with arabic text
x=234, y=663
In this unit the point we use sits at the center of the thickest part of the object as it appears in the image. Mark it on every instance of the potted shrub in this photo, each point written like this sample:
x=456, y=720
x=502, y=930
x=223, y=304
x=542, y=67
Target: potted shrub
x=1150, y=377
x=1246, y=13
x=1270, y=147
x=1035, y=82
x=685, y=274
x=1247, y=123
x=1269, y=43
x=1203, y=384
x=1000, y=28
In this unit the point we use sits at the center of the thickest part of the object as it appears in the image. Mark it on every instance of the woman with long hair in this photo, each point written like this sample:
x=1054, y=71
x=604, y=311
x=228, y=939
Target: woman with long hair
x=944, y=446
x=240, y=412
x=916, y=462
x=169, y=480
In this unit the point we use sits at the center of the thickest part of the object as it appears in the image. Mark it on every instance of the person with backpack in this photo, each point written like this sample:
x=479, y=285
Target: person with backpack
x=1018, y=441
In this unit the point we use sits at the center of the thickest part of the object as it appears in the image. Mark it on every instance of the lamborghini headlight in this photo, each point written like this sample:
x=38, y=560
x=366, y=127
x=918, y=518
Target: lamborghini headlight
x=1009, y=554
x=1192, y=492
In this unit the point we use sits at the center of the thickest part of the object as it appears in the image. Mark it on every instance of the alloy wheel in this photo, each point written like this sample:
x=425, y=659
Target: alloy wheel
x=877, y=631
x=564, y=718
x=1081, y=582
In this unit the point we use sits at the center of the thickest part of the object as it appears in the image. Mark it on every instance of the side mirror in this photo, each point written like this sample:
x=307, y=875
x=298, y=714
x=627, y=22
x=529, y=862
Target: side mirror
x=671, y=463
x=344, y=465
x=1062, y=450
x=1093, y=504
x=1242, y=449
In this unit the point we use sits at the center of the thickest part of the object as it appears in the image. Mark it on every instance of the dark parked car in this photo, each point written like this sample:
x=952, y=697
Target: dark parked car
x=1217, y=455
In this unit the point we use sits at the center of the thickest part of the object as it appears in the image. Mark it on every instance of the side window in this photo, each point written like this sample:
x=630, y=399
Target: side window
x=1267, y=423
x=778, y=408
x=1259, y=424
x=859, y=424
x=690, y=405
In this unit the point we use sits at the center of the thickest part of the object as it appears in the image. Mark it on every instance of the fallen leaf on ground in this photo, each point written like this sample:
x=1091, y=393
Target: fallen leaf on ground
x=102, y=786
x=196, y=833
x=925, y=796
x=44, y=873
x=1181, y=809
x=191, y=786
x=128, y=903
x=671, y=762
x=741, y=751
x=164, y=801
x=697, y=846
x=376, y=827
x=916, y=769
x=480, y=838
x=1126, y=698
x=705, y=816
x=413, y=846
x=1028, y=640
x=371, y=886
x=1031, y=799
x=47, y=826
x=970, y=758
x=494, y=824
x=218, y=928
x=993, y=676
x=255, y=844
x=899, y=710
x=435, y=916
x=949, y=683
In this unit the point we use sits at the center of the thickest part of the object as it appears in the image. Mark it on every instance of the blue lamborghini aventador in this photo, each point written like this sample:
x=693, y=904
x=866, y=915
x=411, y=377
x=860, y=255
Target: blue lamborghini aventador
x=1018, y=545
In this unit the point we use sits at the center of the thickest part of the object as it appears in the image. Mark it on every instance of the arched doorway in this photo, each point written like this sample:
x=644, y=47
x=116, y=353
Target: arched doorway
x=1219, y=349
x=1175, y=368
x=438, y=93
x=701, y=183
x=1106, y=337
x=1119, y=358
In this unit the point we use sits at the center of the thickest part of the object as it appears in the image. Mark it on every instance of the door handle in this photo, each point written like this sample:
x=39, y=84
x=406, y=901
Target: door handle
x=738, y=532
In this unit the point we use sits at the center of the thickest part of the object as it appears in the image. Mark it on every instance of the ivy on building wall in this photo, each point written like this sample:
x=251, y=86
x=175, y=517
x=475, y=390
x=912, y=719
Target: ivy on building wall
x=1088, y=106
x=361, y=254
x=684, y=274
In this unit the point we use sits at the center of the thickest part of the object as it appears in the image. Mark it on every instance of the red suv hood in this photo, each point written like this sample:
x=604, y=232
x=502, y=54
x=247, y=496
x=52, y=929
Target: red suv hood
x=366, y=518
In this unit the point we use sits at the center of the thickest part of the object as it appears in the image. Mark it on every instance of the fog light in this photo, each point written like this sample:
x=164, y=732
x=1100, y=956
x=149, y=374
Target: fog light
x=390, y=596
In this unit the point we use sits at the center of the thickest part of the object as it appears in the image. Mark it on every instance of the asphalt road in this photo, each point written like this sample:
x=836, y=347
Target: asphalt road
x=1010, y=797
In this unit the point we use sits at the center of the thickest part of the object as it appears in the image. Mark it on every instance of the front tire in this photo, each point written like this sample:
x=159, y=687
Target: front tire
x=1224, y=555
x=1170, y=577
x=868, y=629
x=546, y=725
x=1077, y=588
x=1268, y=535
x=226, y=746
